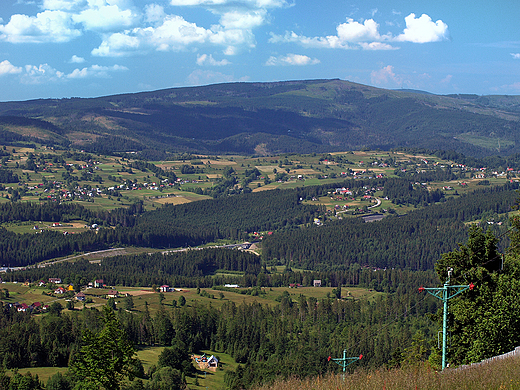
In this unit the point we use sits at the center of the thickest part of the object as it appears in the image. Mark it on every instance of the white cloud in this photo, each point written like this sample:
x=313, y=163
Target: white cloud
x=106, y=17
x=292, y=59
x=204, y=59
x=117, y=45
x=7, y=68
x=365, y=35
x=376, y=46
x=238, y=19
x=352, y=31
x=95, y=71
x=175, y=33
x=350, y=35
x=516, y=56
x=46, y=26
x=232, y=39
x=40, y=74
x=154, y=13
x=76, y=60
x=385, y=76
x=318, y=42
x=423, y=30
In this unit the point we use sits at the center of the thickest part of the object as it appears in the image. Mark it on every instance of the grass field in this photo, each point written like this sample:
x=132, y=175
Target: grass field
x=44, y=373
x=142, y=296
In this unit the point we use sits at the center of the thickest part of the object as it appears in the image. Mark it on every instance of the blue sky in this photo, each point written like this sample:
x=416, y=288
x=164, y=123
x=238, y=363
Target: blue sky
x=87, y=48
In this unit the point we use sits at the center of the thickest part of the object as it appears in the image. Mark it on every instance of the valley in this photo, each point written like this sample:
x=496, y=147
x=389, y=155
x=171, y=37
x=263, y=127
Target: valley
x=270, y=225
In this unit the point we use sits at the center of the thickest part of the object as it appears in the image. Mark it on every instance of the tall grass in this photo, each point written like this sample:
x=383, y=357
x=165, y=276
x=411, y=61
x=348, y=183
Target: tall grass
x=498, y=375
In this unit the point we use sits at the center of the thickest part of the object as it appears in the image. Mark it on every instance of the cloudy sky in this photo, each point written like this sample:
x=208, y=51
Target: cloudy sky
x=87, y=48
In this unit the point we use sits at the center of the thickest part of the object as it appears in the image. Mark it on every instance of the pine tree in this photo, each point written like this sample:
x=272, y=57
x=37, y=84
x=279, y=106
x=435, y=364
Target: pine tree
x=105, y=358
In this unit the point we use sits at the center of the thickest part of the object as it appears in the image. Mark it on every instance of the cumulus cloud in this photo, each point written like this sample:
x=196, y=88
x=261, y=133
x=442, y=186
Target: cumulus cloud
x=423, y=30
x=46, y=26
x=238, y=19
x=117, y=45
x=204, y=59
x=105, y=17
x=7, y=68
x=76, y=60
x=95, y=71
x=116, y=21
x=41, y=74
x=44, y=73
x=365, y=35
x=292, y=59
x=174, y=34
x=349, y=35
x=516, y=56
x=64, y=20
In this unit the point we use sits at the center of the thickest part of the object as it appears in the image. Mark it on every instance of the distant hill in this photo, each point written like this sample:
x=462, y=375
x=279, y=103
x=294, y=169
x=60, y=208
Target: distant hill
x=269, y=118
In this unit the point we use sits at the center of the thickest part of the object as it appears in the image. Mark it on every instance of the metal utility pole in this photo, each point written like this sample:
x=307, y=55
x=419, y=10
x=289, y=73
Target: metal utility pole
x=445, y=293
x=345, y=361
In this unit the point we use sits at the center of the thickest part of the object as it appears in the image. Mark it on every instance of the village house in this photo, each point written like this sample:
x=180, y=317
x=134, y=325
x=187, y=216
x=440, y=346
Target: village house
x=60, y=290
x=212, y=362
x=112, y=294
x=55, y=280
x=165, y=288
x=98, y=283
x=80, y=296
x=316, y=283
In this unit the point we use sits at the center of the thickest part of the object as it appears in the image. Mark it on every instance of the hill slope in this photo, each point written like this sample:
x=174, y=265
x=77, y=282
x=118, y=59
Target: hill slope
x=267, y=118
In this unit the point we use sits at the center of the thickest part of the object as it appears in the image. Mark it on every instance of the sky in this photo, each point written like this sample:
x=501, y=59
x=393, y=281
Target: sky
x=90, y=48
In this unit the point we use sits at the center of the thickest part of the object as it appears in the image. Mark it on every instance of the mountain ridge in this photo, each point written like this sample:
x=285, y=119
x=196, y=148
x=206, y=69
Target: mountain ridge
x=297, y=116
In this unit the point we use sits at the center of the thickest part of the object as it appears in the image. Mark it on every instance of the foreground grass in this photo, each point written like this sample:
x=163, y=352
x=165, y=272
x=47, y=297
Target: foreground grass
x=498, y=375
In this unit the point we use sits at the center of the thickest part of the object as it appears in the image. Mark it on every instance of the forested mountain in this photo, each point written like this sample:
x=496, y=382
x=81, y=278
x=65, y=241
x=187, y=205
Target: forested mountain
x=266, y=118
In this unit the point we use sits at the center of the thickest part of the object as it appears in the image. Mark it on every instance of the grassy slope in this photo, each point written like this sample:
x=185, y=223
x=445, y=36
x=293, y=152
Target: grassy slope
x=502, y=374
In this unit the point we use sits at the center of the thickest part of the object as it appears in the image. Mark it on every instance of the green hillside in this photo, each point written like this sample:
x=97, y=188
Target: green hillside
x=268, y=118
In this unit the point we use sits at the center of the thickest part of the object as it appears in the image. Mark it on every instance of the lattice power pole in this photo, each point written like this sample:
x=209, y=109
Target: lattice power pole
x=445, y=293
x=345, y=361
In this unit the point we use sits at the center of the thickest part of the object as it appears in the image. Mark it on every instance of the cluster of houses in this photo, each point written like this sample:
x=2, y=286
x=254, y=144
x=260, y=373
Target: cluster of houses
x=58, y=192
x=315, y=283
x=166, y=288
x=80, y=296
x=36, y=307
